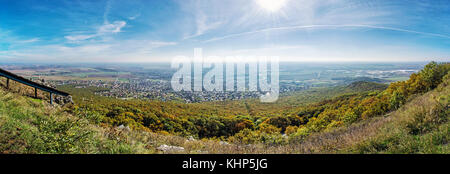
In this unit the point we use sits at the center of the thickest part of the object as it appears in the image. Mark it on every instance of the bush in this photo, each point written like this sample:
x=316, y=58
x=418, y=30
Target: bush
x=350, y=117
x=427, y=118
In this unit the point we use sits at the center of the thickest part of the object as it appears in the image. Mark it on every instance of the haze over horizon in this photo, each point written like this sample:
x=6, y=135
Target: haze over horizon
x=156, y=31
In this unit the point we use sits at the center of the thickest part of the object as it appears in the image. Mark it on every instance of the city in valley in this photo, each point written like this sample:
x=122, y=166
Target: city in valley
x=152, y=80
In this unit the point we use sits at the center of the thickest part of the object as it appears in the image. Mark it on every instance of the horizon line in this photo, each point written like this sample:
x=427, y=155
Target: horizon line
x=281, y=61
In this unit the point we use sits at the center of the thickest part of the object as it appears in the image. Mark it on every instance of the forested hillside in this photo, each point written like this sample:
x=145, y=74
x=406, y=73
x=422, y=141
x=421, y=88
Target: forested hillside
x=364, y=117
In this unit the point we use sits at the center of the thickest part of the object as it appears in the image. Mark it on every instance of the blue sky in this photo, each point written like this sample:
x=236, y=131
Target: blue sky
x=295, y=30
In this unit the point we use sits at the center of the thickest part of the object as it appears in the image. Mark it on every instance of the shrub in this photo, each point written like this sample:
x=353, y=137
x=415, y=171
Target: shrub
x=350, y=117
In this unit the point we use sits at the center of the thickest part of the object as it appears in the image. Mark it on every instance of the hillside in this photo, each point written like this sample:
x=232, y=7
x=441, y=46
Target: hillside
x=30, y=125
x=407, y=117
x=367, y=86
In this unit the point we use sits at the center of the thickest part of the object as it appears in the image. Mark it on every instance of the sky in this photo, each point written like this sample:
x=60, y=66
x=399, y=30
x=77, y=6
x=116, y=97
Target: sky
x=157, y=30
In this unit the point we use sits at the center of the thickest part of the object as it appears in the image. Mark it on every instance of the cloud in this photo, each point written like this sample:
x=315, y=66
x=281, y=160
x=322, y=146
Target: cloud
x=115, y=51
x=10, y=37
x=325, y=26
x=108, y=28
x=79, y=37
x=106, y=13
x=203, y=24
x=112, y=28
x=134, y=17
x=29, y=40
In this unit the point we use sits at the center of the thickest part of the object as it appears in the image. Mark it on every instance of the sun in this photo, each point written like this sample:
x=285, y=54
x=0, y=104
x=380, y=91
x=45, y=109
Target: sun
x=271, y=5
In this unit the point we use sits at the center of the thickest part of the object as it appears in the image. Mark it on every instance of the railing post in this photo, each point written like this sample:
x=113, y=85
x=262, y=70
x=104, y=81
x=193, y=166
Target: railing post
x=7, y=83
x=35, y=92
x=51, y=98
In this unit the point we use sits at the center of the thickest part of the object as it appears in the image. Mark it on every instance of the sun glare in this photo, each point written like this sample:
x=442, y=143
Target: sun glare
x=271, y=5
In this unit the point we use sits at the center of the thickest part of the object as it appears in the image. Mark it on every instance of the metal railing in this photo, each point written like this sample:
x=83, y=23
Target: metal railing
x=8, y=75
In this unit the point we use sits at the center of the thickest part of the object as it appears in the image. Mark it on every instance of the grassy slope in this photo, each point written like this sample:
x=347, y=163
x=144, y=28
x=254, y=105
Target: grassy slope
x=31, y=126
x=420, y=126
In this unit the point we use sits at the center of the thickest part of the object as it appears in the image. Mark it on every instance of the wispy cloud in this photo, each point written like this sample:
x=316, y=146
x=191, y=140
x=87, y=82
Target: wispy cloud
x=112, y=28
x=325, y=26
x=134, y=16
x=79, y=37
x=29, y=40
x=108, y=28
x=105, y=29
x=106, y=13
x=10, y=37
x=116, y=51
x=203, y=23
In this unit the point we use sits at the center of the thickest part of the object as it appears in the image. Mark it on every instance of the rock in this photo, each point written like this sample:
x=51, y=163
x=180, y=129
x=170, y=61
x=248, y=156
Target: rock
x=68, y=99
x=170, y=149
x=63, y=100
x=191, y=138
x=201, y=152
x=125, y=128
x=223, y=143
